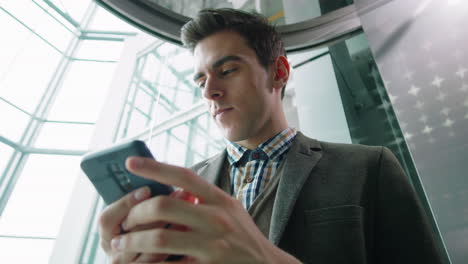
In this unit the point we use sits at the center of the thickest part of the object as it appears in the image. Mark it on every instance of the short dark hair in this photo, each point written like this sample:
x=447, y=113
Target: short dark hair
x=259, y=34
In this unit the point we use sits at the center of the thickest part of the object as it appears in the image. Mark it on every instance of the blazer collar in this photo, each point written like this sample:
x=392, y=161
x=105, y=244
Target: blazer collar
x=212, y=169
x=300, y=160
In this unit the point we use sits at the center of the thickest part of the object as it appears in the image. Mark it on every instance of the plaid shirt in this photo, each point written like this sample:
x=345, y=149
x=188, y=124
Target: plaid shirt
x=252, y=170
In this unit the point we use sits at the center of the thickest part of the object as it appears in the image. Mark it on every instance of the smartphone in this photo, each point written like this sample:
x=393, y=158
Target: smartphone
x=107, y=172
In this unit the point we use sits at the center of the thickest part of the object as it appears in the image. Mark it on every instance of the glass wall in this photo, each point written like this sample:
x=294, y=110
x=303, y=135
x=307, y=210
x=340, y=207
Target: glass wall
x=163, y=108
x=55, y=68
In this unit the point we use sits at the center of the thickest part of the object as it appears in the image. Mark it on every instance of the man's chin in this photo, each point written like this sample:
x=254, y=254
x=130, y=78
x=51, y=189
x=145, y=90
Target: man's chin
x=232, y=135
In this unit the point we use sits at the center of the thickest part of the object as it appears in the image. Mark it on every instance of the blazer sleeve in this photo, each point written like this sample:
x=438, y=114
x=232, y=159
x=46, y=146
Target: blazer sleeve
x=402, y=230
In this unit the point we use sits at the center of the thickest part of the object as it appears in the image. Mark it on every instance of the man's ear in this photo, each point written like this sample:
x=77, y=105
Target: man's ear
x=280, y=72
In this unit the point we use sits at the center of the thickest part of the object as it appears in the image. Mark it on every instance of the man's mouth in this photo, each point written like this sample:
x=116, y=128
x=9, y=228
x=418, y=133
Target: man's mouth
x=220, y=112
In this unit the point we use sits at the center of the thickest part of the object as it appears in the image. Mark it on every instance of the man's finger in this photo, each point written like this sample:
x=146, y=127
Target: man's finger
x=167, y=209
x=115, y=213
x=176, y=176
x=162, y=241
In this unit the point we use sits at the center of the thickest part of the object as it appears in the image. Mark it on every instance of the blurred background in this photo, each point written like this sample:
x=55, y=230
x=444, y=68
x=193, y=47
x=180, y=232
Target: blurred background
x=77, y=76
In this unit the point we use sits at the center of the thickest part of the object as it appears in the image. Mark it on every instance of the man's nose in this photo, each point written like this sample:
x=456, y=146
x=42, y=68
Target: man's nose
x=212, y=89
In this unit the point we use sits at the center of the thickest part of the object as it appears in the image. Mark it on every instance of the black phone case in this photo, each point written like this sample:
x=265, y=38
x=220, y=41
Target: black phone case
x=106, y=170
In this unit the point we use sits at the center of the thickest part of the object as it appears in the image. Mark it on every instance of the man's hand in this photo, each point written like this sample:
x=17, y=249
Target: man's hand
x=220, y=229
x=110, y=223
x=111, y=219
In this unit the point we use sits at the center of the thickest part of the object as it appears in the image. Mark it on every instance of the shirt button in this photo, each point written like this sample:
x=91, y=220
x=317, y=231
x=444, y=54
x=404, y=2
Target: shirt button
x=249, y=180
x=255, y=155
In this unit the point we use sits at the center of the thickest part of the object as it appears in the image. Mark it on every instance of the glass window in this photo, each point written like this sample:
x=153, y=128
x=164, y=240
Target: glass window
x=176, y=152
x=27, y=64
x=143, y=101
x=21, y=250
x=138, y=123
x=36, y=206
x=167, y=78
x=83, y=92
x=181, y=132
x=38, y=20
x=166, y=49
x=158, y=146
x=151, y=68
x=76, y=9
x=5, y=154
x=123, y=121
x=182, y=62
x=161, y=111
x=64, y=136
x=13, y=122
x=99, y=50
x=184, y=98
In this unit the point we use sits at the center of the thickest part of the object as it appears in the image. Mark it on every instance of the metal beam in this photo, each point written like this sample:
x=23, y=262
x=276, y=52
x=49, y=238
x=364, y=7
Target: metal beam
x=175, y=120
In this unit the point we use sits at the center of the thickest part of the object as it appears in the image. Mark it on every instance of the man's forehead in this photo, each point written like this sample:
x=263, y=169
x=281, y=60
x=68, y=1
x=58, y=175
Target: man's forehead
x=218, y=45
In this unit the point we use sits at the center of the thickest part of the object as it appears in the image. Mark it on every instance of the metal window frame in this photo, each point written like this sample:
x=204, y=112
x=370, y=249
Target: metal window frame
x=24, y=147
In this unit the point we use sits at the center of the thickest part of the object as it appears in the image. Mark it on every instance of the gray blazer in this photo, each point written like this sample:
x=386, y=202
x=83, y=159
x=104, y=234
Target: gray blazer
x=343, y=203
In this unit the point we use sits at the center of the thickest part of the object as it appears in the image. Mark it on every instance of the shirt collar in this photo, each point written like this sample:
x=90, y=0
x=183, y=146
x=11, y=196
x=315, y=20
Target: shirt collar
x=272, y=147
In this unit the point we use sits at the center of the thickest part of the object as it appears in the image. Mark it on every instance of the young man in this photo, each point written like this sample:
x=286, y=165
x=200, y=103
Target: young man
x=274, y=195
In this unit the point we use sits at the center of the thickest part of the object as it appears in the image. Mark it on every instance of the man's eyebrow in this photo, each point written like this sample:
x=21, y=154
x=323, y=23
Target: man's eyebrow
x=217, y=64
x=225, y=59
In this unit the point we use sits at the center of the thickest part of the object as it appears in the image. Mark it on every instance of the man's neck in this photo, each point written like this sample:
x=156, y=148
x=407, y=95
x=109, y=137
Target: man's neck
x=253, y=143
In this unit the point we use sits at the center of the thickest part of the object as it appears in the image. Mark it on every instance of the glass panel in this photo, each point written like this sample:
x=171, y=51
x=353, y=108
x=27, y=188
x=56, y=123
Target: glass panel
x=39, y=21
x=279, y=11
x=143, y=101
x=166, y=49
x=5, y=154
x=184, y=98
x=76, y=9
x=333, y=125
x=158, y=146
x=103, y=20
x=176, y=152
x=167, y=78
x=13, y=122
x=182, y=62
x=83, y=92
x=27, y=64
x=21, y=250
x=151, y=68
x=137, y=124
x=38, y=202
x=199, y=142
x=99, y=50
x=64, y=136
x=181, y=132
x=56, y=15
x=161, y=111
x=123, y=122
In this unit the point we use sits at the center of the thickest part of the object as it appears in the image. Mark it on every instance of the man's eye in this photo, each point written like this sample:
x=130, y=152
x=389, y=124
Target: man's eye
x=228, y=71
x=201, y=85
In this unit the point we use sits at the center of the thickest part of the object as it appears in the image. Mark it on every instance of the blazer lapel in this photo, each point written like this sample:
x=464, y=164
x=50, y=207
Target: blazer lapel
x=300, y=160
x=211, y=170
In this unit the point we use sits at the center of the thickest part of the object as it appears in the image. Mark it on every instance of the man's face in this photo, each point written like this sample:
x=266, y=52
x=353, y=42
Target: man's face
x=237, y=89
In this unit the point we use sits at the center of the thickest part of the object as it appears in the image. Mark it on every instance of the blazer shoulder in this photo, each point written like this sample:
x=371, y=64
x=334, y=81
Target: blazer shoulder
x=196, y=167
x=352, y=148
x=347, y=152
